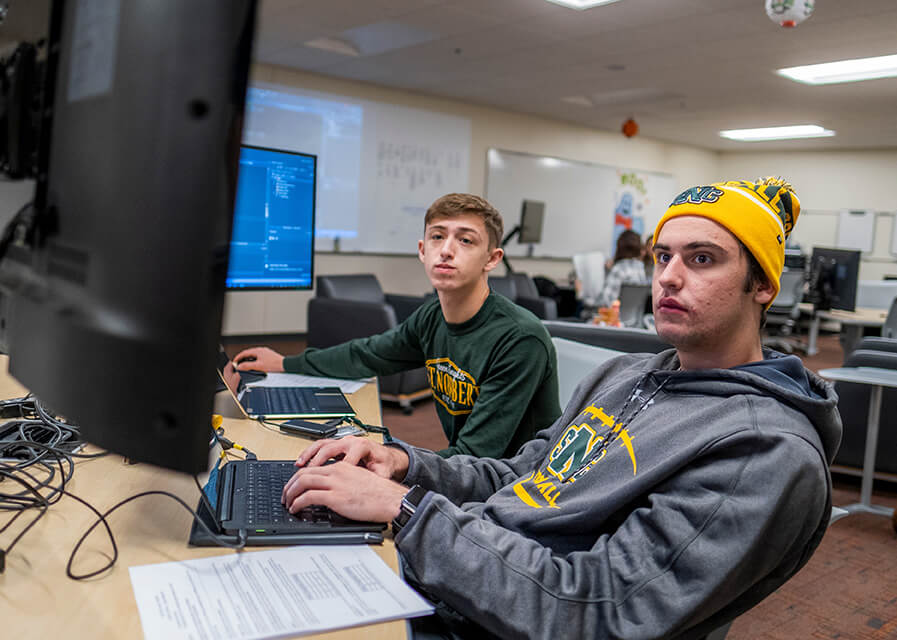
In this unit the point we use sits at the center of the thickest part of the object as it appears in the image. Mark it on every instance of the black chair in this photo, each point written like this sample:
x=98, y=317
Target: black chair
x=520, y=288
x=853, y=404
x=503, y=286
x=625, y=339
x=346, y=307
x=784, y=313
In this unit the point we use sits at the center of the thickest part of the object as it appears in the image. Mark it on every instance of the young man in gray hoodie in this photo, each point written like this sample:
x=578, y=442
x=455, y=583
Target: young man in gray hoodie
x=675, y=492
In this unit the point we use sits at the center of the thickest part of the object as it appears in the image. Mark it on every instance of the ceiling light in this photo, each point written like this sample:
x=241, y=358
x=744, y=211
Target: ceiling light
x=581, y=4
x=334, y=45
x=843, y=70
x=777, y=133
x=580, y=101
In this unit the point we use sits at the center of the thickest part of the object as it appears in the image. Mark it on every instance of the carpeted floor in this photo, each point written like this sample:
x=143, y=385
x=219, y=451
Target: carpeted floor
x=847, y=590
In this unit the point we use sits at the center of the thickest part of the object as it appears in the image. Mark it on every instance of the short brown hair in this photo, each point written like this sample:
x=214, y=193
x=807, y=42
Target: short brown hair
x=456, y=204
x=755, y=276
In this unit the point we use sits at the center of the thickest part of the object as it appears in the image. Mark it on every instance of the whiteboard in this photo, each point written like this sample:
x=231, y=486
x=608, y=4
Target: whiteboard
x=582, y=200
x=856, y=230
x=380, y=166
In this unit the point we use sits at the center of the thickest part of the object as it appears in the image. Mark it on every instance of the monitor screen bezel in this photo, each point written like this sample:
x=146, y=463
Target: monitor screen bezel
x=532, y=213
x=314, y=211
x=850, y=258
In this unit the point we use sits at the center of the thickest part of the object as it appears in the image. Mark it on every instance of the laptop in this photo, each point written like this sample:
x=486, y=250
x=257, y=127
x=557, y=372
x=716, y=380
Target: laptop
x=245, y=496
x=282, y=402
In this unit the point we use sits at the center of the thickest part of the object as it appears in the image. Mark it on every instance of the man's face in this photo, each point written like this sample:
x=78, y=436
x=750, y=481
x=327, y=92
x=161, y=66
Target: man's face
x=455, y=252
x=698, y=286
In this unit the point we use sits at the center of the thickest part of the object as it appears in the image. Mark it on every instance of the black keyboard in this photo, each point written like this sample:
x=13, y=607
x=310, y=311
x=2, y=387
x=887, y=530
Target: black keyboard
x=264, y=487
x=282, y=400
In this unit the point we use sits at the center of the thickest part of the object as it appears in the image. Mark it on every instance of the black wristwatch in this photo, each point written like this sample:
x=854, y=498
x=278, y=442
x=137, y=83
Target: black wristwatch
x=409, y=505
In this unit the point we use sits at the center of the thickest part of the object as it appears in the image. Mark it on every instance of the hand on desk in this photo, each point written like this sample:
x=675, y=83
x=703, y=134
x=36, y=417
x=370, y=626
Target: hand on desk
x=259, y=359
x=361, y=485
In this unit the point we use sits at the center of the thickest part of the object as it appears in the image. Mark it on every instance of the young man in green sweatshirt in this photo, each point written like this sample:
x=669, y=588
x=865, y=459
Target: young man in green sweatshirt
x=490, y=363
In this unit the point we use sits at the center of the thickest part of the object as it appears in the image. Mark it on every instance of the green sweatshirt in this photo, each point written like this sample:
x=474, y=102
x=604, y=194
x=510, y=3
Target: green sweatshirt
x=494, y=377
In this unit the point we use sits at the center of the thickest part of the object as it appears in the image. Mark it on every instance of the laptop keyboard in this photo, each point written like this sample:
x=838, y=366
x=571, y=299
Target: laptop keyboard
x=265, y=483
x=282, y=400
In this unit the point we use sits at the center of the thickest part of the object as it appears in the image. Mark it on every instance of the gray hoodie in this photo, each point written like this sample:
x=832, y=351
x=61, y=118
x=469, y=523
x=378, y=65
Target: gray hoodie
x=661, y=504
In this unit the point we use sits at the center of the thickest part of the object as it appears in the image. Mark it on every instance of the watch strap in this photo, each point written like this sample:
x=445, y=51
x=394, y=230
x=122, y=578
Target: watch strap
x=410, y=502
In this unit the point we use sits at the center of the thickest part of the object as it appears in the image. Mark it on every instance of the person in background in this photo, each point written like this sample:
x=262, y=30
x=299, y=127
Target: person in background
x=627, y=268
x=491, y=364
x=648, y=257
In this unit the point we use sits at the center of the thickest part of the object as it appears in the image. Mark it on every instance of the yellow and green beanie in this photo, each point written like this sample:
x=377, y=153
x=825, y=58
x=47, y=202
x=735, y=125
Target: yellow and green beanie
x=761, y=214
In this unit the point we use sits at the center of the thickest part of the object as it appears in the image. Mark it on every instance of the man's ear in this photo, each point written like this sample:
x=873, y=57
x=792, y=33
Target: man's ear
x=495, y=257
x=764, y=292
x=420, y=250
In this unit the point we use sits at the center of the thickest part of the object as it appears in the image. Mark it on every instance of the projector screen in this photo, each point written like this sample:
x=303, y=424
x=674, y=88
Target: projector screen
x=379, y=165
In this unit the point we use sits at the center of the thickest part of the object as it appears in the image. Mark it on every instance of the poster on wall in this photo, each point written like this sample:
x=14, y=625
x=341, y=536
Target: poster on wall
x=639, y=197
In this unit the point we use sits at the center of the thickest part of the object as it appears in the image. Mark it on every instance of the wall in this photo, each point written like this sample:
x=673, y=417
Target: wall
x=826, y=183
x=285, y=312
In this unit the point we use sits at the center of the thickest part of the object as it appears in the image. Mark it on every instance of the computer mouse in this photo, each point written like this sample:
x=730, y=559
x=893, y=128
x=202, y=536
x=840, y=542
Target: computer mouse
x=252, y=376
x=245, y=359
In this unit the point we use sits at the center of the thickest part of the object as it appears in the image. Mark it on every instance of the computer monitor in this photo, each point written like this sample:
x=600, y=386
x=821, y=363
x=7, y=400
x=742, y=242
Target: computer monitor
x=532, y=214
x=273, y=241
x=114, y=279
x=833, y=278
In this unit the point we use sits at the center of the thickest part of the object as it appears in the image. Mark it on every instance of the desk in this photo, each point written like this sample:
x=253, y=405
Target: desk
x=37, y=600
x=877, y=379
x=851, y=321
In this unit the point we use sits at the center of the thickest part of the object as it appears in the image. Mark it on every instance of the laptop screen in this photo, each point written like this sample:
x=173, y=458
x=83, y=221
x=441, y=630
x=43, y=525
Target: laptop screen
x=229, y=373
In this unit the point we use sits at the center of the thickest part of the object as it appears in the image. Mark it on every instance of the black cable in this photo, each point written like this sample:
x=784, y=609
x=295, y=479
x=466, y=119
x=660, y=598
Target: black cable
x=101, y=518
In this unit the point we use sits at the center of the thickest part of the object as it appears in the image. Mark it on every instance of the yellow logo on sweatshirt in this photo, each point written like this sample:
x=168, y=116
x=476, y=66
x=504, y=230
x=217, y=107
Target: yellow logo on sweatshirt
x=453, y=388
x=577, y=451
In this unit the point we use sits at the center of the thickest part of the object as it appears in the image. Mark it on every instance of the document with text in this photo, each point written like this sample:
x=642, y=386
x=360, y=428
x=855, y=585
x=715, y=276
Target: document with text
x=271, y=593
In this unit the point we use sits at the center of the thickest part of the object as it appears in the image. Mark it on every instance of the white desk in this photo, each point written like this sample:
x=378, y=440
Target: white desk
x=852, y=322
x=877, y=379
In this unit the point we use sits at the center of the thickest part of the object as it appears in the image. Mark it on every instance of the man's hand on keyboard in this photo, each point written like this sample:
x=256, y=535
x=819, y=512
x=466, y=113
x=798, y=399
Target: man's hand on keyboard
x=386, y=462
x=350, y=490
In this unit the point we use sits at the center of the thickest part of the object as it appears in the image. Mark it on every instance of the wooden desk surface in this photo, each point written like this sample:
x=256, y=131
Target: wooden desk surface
x=862, y=316
x=37, y=600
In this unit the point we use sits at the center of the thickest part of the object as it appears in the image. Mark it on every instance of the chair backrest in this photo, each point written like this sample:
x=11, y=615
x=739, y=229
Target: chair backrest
x=616, y=338
x=575, y=361
x=525, y=286
x=589, y=269
x=363, y=287
x=503, y=285
x=874, y=343
x=632, y=304
x=889, y=328
x=791, y=284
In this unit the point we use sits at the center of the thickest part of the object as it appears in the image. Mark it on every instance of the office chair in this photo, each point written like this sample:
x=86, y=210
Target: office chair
x=633, y=298
x=784, y=312
x=889, y=328
x=346, y=307
x=853, y=405
x=520, y=288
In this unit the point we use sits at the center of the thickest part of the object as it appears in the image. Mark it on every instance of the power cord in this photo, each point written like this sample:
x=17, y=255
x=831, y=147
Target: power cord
x=36, y=439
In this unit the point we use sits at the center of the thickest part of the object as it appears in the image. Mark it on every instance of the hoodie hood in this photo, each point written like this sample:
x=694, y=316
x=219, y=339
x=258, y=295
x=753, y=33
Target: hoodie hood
x=794, y=386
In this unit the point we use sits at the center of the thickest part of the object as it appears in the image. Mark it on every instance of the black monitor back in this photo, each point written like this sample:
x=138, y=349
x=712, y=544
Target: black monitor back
x=833, y=278
x=114, y=316
x=532, y=213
